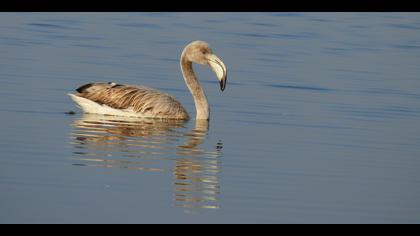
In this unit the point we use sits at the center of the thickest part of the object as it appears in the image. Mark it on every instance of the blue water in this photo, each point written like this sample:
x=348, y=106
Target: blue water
x=319, y=122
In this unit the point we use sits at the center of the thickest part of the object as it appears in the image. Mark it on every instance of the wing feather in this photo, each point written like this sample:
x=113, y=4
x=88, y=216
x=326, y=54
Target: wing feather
x=138, y=99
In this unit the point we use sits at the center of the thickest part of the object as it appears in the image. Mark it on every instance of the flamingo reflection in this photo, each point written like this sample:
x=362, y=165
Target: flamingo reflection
x=153, y=145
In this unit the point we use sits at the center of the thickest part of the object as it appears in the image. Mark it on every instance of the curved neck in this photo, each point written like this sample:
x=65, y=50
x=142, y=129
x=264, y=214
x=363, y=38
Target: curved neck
x=200, y=99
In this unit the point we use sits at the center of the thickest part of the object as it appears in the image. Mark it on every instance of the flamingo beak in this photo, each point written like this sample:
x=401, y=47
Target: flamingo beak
x=218, y=67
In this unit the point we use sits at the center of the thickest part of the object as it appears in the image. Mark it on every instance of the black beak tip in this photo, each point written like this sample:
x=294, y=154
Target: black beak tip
x=223, y=84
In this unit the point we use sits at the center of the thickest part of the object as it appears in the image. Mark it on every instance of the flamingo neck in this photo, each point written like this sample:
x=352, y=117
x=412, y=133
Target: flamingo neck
x=200, y=99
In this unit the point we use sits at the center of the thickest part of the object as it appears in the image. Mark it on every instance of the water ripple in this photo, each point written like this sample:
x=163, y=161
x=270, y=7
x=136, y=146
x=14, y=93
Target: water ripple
x=141, y=25
x=403, y=26
x=53, y=26
x=405, y=46
x=308, y=88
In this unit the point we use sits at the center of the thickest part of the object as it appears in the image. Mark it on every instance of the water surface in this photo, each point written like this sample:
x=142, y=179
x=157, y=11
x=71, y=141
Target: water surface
x=319, y=122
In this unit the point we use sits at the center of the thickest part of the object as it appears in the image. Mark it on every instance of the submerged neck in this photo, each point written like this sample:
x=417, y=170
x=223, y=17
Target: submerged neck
x=200, y=99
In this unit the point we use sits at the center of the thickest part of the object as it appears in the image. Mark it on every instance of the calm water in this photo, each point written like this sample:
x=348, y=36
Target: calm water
x=319, y=123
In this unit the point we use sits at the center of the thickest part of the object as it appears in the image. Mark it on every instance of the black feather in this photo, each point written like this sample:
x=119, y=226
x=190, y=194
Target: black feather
x=84, y=87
